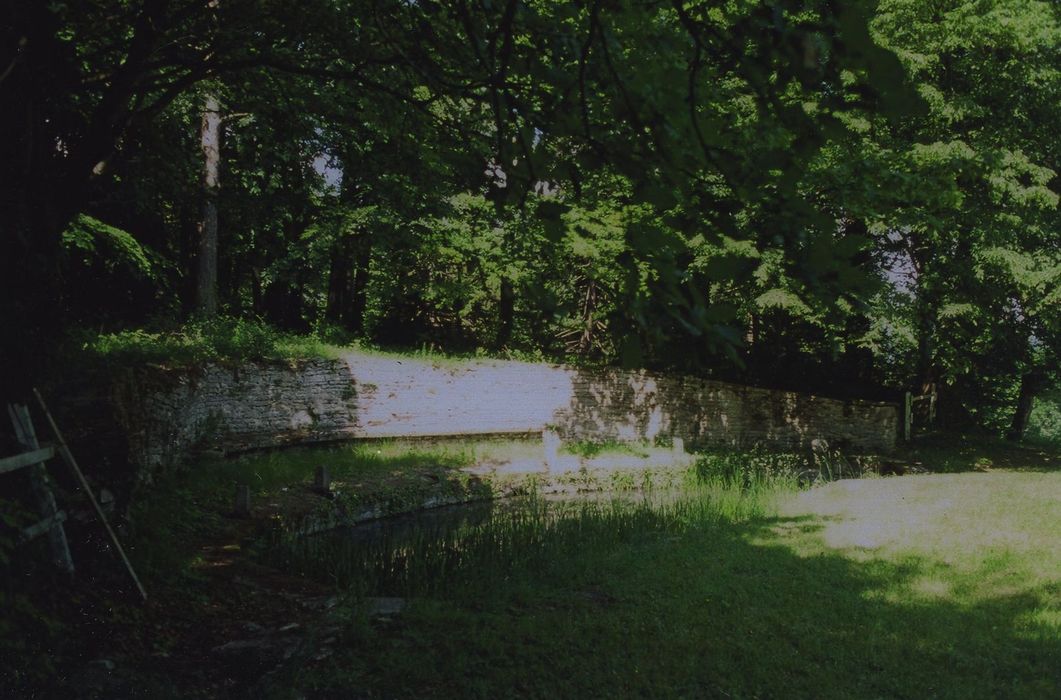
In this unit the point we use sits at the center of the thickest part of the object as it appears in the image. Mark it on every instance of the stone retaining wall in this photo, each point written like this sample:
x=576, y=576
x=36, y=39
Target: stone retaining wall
x=170, y=414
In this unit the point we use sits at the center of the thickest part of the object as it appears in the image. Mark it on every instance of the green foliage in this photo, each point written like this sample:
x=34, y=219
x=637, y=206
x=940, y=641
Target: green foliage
x=197, y=342
x=97, y=241
x=844, y=197
x=1044, y=425
x=749, y=471
x=832, y=197
x=590, y=449
x=962, y=204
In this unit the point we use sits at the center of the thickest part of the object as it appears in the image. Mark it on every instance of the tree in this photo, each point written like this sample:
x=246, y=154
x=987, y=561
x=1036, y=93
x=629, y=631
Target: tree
x=84, y=79
x=951, y=200
x=210, y=143
x=974, y=195
x=713, y=133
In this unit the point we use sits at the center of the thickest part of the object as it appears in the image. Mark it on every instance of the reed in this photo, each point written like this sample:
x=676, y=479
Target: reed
x=465, y=551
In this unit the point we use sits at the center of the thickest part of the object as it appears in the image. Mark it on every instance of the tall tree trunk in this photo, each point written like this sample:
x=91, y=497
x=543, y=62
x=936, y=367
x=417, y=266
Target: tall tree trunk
x=282, y=303
x=338, y=282
x=355, y=322
x=348, y=283
x=35, y=203
x=506, y=307
x=506, y=302
x=256, y=291
x=498, y=192
x=210, y=143
x=926, y=344
x=1030, y=385
x=31, y=308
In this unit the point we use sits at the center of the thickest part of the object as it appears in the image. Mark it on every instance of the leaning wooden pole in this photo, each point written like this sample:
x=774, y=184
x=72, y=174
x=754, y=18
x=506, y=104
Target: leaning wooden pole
x=68, y=457
x=42, y=492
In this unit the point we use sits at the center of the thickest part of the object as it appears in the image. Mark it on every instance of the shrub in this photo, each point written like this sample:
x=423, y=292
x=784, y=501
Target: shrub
x=219, y=339
x=1044, y=424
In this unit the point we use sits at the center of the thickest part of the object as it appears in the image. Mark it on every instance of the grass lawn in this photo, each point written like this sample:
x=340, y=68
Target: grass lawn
x=921, y=586
x=937, y=585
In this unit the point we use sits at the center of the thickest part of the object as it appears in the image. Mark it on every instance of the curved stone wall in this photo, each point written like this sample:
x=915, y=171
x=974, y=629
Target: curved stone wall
x=170, y=414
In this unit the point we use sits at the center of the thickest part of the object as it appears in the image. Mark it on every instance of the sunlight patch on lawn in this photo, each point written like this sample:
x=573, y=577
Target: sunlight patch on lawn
x=930, y=587
x=979, y=535
x=1044, y=623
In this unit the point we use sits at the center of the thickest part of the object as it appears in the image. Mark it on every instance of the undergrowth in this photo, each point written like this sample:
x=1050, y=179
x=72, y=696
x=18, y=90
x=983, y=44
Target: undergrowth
x=524, y=534
x=678, y=599
x=589, y=449
x=198, y=342
x=1044, y=424
x=188, y=505
x=232, y=339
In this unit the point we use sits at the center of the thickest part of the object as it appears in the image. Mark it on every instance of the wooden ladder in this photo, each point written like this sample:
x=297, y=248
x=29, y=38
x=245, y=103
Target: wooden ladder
x=33, y=458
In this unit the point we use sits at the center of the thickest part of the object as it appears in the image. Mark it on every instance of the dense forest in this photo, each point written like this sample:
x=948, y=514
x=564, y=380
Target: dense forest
x=829, y=196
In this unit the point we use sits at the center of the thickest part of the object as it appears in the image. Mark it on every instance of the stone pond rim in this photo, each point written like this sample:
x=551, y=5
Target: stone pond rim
x=166, y=416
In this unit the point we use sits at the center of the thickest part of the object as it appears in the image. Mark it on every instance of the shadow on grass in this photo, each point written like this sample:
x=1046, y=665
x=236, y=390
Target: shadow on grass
x=668, y=606
x=950, y=453
x=185, y=544
x=677, y=609
x=714, y=611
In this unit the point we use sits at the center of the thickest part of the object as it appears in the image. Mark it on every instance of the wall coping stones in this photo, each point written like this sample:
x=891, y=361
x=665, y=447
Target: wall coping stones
x=170, y=414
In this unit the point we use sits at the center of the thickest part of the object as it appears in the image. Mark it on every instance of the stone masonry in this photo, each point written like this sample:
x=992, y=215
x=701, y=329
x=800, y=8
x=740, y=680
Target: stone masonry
x=169, y=415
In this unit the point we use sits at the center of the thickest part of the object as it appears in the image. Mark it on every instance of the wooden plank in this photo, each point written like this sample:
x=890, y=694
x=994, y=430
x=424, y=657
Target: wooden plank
x=42, y=492
x=908, y=417
x=10, y=464
x=68, y=457
x=37, y=529
x=242, y=508
x=322, y=479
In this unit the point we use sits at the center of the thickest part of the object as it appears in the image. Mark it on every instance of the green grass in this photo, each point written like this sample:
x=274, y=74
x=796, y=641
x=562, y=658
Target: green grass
x=525, y=535
x=945, y=585
x=197, y=342
x=982, y=532
x=364, y=461
x=954, y=453
x=230, y=339
x=925, y=586
x=588, y=449
x=189, y=506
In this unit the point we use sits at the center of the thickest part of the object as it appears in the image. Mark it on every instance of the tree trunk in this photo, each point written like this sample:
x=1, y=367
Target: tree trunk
x=1030, y=385
x=210, y=143
x=256, y=291
x=348, y=283
x=355, y=322
x=926, y=343
x=506, y=308
x=338, y=283
x=31, y=309
x=282, y=303
x=38, y=200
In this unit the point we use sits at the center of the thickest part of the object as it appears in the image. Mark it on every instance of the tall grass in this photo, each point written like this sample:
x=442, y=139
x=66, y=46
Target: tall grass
x=181, y=509
x=525, y=534
x=195, y=343
x=235, y=339
x=941, y=586
x=589, y=449
x=361, y=460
